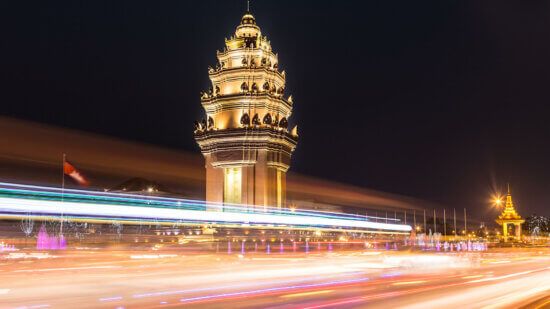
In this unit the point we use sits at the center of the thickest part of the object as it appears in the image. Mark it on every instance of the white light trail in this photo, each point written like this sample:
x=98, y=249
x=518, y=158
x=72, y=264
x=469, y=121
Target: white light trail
x=15, y=205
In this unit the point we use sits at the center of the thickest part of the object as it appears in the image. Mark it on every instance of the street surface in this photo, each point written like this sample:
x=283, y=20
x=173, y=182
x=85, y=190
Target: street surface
x=120, y=278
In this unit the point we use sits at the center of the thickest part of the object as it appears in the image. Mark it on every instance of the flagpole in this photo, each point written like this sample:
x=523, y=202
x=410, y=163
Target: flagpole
x=425, y=227
x=435, y=227
x=63, y=177
x=465, y=225
x=444, y=223
x=62, y=190
x=454, y=218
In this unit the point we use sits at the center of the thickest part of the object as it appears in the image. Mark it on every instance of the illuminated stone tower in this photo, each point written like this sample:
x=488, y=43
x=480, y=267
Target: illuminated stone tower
x=245, y=138
x=510, y=216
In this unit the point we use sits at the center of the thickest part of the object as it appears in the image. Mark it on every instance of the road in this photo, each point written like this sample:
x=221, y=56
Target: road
x=121, y=278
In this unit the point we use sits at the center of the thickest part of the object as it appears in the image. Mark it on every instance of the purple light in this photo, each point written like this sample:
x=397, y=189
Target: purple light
x=47, y=242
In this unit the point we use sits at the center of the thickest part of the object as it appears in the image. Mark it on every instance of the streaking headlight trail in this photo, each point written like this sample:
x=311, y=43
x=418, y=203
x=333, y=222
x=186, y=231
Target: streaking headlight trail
x=114, y=206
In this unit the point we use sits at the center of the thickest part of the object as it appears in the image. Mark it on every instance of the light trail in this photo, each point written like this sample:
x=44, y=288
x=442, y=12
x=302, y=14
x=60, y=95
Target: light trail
x=321, y=281
x=14, y=202
x=64, y=269
x=306, y=294
x=244, y=285
x=509, y=298
x=268, y=290
x=56, y=193
x=409, y=282
x=509, y=275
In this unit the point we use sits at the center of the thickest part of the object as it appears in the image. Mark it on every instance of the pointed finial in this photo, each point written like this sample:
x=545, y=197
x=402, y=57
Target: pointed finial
x=248, y=5
x=508, y=187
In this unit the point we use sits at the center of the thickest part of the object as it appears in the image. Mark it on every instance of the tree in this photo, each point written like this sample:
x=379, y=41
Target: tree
x=537, y=224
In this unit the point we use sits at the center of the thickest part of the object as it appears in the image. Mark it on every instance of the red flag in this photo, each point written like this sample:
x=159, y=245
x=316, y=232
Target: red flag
x=70, y=170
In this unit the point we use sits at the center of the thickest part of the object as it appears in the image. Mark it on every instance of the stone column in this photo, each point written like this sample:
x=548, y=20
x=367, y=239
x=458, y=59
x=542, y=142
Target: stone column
x=214, y=184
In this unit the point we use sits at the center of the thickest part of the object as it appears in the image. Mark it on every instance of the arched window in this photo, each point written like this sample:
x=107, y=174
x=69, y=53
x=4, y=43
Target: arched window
x=280, y=90
x=283, y=123
x=243, y=61
x=267, y=119
x=197, y=126
x=203, y=124
x=254, y=87
x=245, y=119
x=217, y=90
x=273, y=89
x=244, y=87
x=266, y=86
x=276, y=121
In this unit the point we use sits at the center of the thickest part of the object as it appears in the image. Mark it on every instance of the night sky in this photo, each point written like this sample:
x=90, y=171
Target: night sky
x=440, y=100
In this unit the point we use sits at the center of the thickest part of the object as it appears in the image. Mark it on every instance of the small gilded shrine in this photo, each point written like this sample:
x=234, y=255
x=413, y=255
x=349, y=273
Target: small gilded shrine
x=509, y=219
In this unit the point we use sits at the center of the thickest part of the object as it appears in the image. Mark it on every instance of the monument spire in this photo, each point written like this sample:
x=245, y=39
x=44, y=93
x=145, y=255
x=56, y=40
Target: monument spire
x=244, y=136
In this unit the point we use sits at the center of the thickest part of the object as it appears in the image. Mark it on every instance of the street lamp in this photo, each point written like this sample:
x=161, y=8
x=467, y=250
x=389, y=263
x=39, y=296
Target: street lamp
x=497, y=201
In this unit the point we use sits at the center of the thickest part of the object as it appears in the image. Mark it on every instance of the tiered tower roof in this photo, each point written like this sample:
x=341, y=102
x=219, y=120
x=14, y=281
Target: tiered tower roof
x=509, y=212
x=246, y=105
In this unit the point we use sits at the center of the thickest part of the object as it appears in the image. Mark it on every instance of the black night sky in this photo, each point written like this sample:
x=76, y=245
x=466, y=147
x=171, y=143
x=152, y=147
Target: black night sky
x=440, y=100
